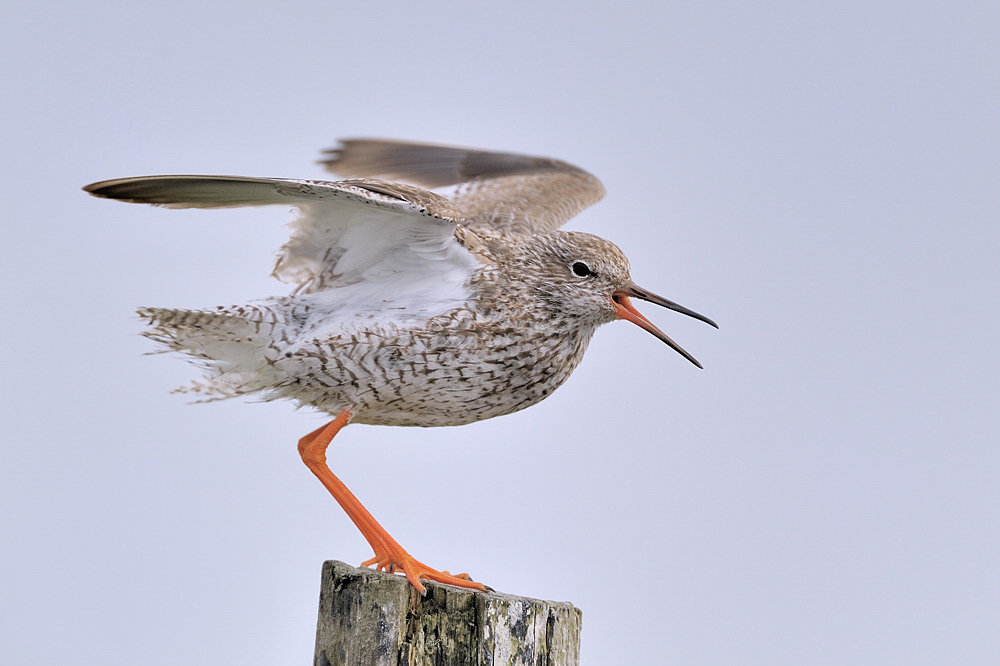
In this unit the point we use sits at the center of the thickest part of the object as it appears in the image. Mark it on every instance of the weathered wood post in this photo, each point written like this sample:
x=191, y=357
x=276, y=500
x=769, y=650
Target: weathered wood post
x=368, y=618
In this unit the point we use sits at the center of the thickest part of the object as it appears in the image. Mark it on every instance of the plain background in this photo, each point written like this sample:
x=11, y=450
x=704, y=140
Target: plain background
x=820, y=178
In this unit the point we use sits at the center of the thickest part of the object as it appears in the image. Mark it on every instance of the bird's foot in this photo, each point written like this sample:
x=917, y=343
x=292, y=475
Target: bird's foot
x=389, y=555
x=415, y=570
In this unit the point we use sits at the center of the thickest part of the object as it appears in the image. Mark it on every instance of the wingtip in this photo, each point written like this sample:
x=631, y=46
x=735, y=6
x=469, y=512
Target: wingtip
x=331, y=156
x=101, y=189
x=110, y=189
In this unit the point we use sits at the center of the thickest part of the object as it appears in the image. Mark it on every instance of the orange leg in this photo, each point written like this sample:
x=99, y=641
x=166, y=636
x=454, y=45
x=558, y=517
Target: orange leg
x=389, y=555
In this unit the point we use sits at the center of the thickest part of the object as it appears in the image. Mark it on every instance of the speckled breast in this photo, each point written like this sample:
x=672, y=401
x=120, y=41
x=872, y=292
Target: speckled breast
x=435, y=376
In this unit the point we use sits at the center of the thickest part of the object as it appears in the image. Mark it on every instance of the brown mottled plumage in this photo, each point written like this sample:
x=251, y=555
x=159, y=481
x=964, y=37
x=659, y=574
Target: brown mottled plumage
x=498, y=193
x=411, y=308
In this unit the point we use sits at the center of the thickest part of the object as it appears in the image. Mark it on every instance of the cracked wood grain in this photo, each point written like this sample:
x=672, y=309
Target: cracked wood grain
x=368, y=618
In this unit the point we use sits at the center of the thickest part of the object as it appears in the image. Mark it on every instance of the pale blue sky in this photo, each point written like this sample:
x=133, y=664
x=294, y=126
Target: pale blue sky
x=819, y=178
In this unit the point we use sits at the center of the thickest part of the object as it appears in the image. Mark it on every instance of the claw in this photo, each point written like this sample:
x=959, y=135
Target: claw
x=414, y=570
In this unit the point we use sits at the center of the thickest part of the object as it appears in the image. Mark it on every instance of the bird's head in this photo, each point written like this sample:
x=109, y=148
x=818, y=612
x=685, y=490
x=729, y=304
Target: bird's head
x=584, y=277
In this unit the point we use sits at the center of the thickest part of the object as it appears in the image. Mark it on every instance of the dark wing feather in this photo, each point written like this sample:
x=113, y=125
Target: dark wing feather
x=505, y=193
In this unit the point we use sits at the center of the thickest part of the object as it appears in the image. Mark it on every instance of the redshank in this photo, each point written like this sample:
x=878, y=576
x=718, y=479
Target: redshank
x=411, y=307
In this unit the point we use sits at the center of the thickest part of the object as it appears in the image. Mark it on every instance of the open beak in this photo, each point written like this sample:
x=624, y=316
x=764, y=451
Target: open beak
x=625, y=310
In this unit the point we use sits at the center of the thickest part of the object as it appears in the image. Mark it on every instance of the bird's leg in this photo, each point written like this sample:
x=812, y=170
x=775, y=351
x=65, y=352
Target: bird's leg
x=389, y=555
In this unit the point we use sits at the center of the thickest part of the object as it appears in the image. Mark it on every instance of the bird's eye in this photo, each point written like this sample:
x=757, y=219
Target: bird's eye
x=581, y=269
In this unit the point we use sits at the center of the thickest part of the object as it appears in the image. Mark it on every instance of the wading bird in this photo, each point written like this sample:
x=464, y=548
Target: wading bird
x=411, y=307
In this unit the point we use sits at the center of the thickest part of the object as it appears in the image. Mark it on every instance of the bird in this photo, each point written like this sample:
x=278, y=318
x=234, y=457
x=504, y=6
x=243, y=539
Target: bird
x=433, y=286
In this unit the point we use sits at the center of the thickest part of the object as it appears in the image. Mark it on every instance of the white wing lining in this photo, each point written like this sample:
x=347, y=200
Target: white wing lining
x=394, y=239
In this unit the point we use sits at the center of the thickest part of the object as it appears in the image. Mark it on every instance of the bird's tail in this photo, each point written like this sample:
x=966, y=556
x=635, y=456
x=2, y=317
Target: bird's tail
x=234, y=345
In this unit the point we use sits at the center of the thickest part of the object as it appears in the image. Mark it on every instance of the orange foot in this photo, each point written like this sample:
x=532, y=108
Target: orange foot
x=415, y=570
x=389, y=555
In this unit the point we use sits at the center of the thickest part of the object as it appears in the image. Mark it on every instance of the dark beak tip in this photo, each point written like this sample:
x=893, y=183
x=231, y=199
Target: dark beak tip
x=650, y=297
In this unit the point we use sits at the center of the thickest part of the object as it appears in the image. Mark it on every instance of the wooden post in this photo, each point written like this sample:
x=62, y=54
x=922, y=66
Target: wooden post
x=368, y=618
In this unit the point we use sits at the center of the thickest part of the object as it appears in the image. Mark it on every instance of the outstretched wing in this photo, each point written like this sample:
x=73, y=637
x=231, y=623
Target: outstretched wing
x=512, y=195
x=386, y=235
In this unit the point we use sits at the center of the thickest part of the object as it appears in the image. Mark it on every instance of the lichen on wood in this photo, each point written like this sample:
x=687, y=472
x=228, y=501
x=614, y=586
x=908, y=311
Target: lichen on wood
x=368, y=618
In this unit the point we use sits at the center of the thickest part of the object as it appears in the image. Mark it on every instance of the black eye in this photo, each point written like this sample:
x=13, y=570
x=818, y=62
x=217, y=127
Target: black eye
x=582, y=269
